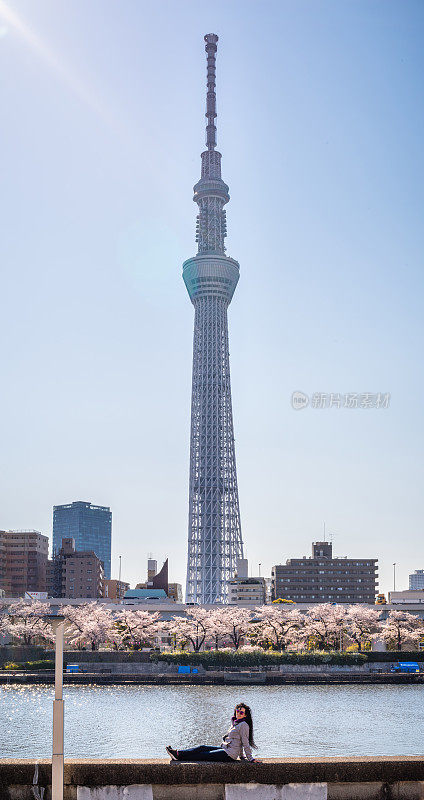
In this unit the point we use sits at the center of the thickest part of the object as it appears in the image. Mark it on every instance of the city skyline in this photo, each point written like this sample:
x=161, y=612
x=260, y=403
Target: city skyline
x=327, y=192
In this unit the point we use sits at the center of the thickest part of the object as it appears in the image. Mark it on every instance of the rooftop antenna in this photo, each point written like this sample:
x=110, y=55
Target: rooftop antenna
x=324, y=532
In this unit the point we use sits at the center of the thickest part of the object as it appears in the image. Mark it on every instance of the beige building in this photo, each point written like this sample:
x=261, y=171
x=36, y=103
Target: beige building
x=324, y=579
x=23, y=562
x=2, y=561
x=247, y=592
x=75, y=573
x=114, y=589
x=175, y=592
x=407, y=596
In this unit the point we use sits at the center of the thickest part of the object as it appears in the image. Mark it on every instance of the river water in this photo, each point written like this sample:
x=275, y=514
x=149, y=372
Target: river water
x=138, y=721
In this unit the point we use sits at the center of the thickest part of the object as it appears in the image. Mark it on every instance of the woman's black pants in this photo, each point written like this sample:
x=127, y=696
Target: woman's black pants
x=203, y=753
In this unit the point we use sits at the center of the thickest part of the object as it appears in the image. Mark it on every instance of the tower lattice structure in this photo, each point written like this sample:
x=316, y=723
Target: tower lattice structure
x=214, y=530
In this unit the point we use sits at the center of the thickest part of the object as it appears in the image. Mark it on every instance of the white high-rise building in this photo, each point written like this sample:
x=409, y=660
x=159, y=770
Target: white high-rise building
x=416, y=580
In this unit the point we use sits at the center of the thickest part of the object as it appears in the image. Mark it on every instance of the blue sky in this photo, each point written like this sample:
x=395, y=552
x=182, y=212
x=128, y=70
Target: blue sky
x=320, y=122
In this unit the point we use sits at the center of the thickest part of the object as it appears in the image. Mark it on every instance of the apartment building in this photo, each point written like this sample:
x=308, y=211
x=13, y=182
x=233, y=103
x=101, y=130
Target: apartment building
x=73, y=573
x=247, y=592
x=23, y=562
x=324, y=579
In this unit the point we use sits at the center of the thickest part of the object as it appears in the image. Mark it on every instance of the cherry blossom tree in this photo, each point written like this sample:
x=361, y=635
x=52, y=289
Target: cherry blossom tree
x=324, y=625
x=193, y=628
x=362, y=622
x=25, y=620
x=215, y=636
x=137, y=628
x=98, y=624
x=402, y=630
x=116, y=635
x=278, y=624
x=88, y=623
x=232, y=622
x=93, y=624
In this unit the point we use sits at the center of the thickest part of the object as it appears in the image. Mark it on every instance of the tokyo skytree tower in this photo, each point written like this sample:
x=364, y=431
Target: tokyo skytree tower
x=214, y=531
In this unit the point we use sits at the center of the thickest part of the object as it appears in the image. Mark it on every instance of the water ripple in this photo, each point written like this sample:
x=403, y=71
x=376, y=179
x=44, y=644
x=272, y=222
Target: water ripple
x=138, y=721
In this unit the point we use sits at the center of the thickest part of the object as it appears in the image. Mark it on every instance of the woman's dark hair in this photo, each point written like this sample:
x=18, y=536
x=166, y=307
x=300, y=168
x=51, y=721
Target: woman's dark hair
x=248, y=719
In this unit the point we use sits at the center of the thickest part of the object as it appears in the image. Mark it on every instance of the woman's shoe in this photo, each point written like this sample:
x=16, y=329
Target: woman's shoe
x=172, y=753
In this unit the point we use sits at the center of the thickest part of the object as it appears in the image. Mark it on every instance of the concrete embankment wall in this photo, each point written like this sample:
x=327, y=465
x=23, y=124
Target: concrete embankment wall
x=163, y=668
x=117, y=667
x=105, y=672
x=20, y=653
x=378, y=778
x=29, y=653
x=107, y=678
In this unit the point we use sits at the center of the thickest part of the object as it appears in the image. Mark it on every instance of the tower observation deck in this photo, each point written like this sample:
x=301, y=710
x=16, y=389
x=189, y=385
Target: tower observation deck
x=214, y=530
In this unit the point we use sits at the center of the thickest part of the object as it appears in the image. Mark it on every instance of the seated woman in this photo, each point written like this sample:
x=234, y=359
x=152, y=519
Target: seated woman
x=239, y=737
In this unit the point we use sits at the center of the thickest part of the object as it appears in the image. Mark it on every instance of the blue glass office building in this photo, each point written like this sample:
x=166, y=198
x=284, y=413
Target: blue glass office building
x=90, y=526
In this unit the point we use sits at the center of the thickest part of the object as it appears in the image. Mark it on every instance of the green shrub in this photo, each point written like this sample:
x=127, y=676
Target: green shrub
x=31, y=666
x=281, y=600
x=43, y=664
x=396, y=655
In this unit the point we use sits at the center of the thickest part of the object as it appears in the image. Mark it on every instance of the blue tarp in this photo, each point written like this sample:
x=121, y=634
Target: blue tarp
x=406, y=666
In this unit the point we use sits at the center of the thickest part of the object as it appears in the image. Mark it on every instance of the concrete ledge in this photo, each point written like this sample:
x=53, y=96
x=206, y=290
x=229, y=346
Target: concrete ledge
x=127, y=772
x=380, y=778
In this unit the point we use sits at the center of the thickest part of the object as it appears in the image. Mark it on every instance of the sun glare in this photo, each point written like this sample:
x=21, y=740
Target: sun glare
x=57, y=65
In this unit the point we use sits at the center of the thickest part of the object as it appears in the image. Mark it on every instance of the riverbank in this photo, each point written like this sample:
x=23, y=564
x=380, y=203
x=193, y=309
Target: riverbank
x=214, y=678
x=364, y=778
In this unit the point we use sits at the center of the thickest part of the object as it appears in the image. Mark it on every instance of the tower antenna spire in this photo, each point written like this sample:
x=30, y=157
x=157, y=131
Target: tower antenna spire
x=211, y=193
x=211, y=48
